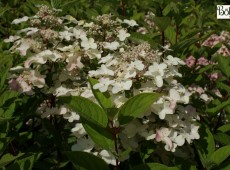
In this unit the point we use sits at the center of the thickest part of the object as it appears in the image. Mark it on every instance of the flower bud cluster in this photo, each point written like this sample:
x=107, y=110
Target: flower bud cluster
x=223, y=38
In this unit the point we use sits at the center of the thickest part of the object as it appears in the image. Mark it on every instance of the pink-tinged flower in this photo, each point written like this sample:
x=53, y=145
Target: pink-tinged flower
x=200, y=90
x=14, y=85
x=214, y=76
x=162, y=134
x=202, y=61
x=74, y=62
x=212, y=41
x=190, y=61
x=224, y=51
x=21, y=86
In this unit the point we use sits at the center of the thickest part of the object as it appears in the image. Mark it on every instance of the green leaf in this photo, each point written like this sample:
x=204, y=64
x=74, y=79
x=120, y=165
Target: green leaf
x=170, y=33
x=220, y=154
x=162, y=22
x=222, y=138
x=55, y=3
x=3, y=10
x=7, y=95
x=166, y=10
x=25, y=162
x=223, y=63
x=101, y=136
x=87, y=109
x=205, y=68
x=215, y=110
x=103, y=98
x=154, y=166
x=186, y=43
x=5, y=65
x=223, y=86
x=136, y=106
x=86, y=161
x=205, y=146
x=224, y=128
x=8, y=158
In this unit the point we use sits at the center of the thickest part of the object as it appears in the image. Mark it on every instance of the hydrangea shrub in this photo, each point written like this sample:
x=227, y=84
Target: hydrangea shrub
x=115, y=93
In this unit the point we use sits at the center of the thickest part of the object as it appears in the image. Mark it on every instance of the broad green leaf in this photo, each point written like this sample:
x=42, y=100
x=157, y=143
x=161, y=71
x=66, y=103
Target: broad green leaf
x=220, y=154
x=224, y=65
x=87, y=109
x=4, y=142
x=5, y=65
x=154, y=166
x=136, y=106
x=222, y=138
x=25, y=162
x=4, y=126
x=224, y=166
x=86, y=161
x=216, y=109
x=170, y=33
x=7, y=95
x=8, y=158
x=224, y=128
x=101, y=136
x=10, y=110
x=162, y=22
x=205, y=146
x=223, y=86
x=166, y=10
x=205, y=68
x=103, y=98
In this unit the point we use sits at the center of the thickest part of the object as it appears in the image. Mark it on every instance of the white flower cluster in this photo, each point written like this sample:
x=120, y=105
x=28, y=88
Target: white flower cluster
x=60, y=53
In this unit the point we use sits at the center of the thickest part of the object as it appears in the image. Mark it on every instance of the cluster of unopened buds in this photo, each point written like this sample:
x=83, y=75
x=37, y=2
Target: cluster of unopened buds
x=59, y=57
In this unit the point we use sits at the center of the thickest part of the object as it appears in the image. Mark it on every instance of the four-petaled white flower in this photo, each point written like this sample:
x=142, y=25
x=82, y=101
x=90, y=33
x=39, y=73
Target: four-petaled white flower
x=11, y=39
x=157, y=72
x=108, y=157
x=102, y=71
x=131, y=22
x=20, y=20
x=103, y=84
x=83, y=144
x=121, y=85
x=174, y=61
x=88, y=43
x=65, y=35
x=24, y=46
x=29, y=31
x=162, y=134
x=162, y=108
x=79, y=34
x=122, y=35
x=112, y=46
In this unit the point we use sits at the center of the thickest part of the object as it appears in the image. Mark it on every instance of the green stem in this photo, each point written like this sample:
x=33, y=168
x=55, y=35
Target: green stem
x=163, y=42
x=114, y=133
x=177, y=33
